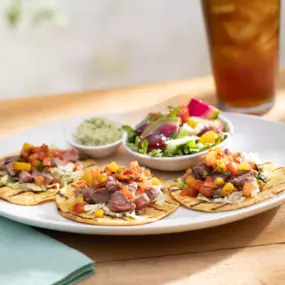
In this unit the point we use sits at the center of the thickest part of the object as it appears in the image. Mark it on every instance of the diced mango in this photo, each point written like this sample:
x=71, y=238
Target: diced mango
x=22, y=166
x=113, y=166
x=155, y=181
x=244, y=165
x=209, y=137
x=99, y=213
x=87, y=177
x=190, y=180
x=221, y=165
x=227, y=190
x=219, y=181
x=27, y=146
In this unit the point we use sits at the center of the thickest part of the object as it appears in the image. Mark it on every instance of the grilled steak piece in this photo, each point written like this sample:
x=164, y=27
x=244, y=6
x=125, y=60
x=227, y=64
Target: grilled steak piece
x=200, y=171
x=11, y=159
x=25, y=176
x=9, y=169
x=112, y=184
x=100, y=196
x=48, y=178
x=70, y=155
x=239, y=181
x=141, y=201
x=152, y=193
x=119, y=203
x=87, y=192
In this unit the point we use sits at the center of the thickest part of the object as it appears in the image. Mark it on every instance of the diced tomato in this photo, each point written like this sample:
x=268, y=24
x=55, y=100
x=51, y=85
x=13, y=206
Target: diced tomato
x=209, y=183
x=78, y=185
x=183, y=114
x=189, y=191
x=24, y=153
x=56, y=153
x=34, y=156
x=128, y=194
x=236, y=157
x=247, y=189
x=108, y=171
x=206, y=191
x=44, y=148
x=211, y=161
x=232, y=168
x=39, y=180
x=47, y=162
x=78, y=208
x=197, y=184
x=42, y=155
x=36, y=149
x=252, y=164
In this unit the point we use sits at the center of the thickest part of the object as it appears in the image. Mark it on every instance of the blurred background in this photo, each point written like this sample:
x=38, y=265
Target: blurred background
x=51, y=47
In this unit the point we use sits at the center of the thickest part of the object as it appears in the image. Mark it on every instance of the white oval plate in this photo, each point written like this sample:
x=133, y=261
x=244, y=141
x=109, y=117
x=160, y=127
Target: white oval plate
x=252, y=134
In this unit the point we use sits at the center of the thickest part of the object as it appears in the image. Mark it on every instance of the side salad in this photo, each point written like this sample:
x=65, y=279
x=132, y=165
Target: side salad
x=183, y=130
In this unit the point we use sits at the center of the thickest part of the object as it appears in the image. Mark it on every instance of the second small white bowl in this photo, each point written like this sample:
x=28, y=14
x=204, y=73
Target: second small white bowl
x=175, y=163
x=92, y=151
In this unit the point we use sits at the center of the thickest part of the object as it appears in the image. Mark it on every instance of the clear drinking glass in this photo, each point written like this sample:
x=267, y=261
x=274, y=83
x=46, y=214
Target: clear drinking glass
x=243, y=38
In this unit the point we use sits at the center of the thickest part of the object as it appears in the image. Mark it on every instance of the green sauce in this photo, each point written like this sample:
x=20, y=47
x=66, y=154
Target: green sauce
x=97, y=131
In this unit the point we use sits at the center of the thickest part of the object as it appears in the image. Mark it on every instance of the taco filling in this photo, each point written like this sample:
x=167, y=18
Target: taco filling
x=116, y=192
x=224, y=177
x=39, y=168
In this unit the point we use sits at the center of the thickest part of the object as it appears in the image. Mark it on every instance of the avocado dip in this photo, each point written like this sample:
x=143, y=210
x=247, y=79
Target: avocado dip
x=97, y=131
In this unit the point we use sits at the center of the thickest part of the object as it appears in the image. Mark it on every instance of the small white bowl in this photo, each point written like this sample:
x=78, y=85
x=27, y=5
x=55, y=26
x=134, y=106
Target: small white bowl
x=176, y=163
x=92, y=151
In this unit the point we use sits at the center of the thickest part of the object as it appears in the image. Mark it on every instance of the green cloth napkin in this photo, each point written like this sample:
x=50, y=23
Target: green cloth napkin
x=28, y=257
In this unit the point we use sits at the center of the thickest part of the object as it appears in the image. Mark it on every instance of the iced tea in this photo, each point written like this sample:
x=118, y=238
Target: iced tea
x=243, y=37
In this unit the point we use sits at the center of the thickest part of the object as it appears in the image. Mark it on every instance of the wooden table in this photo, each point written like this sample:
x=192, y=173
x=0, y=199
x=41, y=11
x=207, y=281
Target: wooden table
x=245, y=252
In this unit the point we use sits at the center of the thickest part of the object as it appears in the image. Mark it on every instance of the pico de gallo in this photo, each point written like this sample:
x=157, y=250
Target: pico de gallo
x=117, y=191
x=38, y=168
x=225, y=177
x=183, y=130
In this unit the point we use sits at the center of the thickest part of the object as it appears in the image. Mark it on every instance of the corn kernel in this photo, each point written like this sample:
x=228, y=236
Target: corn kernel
x=208, y=137
x=113, y=166
x=155, y=181
x=227, y=190
x=190, y=180
x=219, y=181
x=99, y=213
x=244, y=165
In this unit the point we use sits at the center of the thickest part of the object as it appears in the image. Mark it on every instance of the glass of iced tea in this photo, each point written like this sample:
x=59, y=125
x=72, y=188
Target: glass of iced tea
x=243, y=38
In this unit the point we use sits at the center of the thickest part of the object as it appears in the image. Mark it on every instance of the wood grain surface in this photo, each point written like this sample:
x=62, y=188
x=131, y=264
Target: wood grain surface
x=250, y=251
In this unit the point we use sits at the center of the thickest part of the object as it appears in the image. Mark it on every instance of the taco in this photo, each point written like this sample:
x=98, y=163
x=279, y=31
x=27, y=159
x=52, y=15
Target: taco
x=116, y=195
x=226, y=181
x=34, y=175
